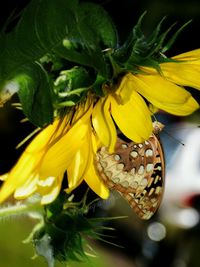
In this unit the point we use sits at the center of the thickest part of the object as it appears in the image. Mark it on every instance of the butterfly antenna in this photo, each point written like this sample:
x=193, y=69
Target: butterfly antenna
x=171, y=136
x=174, y=138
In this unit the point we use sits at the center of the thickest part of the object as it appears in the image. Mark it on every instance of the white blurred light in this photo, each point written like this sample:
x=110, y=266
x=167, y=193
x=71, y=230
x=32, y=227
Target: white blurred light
x=187, y=218
x=156, y=231
x=182, y=179
x=180, y=217
x=8, y=90
x=183, y=174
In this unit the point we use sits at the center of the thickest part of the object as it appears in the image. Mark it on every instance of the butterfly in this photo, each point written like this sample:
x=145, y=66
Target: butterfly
x=136, y=171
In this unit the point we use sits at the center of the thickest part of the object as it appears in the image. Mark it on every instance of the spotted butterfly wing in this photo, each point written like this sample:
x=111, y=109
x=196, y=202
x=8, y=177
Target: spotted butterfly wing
x=136, y=171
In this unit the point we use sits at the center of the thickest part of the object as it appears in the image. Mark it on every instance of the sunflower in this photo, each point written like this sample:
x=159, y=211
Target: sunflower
x=71, y=142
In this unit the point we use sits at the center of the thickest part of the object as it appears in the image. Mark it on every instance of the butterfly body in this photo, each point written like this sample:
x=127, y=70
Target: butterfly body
x=136, y=171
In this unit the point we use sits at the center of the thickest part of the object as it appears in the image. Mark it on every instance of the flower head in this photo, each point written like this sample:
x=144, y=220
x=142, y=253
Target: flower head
x=128, y=82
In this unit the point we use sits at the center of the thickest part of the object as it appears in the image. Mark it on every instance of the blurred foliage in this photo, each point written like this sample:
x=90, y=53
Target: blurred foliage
x=13, y=252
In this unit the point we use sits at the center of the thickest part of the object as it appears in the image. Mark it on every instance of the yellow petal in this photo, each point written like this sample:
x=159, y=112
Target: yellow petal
x=30, y=159
x=83, y=108
x=92, y=178
x=110, y=124
x=19, y=174
x=28, y=188
x=95, y=183
x=59, y=156
x=77, y=167
x=133, y=118
x=124, y=90
x=3, y=177
x=164, y=94
x=47, y=135
x=190, y=55
x=96, y=143
x=99, y=122
x=184, y=73
x=103, y=123
x=49, y=191
x=75, y=171
x=184, y=109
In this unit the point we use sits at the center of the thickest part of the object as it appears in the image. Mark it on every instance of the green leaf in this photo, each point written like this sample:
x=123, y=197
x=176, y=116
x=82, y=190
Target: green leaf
x=136, y=36
x=100, y=23
x=35, y=93
x=61, y=29
x=84, y=44
x=42, y=27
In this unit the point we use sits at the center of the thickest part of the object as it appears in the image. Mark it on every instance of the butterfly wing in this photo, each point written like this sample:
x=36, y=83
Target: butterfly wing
x=148, y=195
x=136, y=171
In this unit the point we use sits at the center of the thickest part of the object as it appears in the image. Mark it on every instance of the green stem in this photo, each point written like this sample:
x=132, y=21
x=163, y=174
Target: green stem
x=20, y=209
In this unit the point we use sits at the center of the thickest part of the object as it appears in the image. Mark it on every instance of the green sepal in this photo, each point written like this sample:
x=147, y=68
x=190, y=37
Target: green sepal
x=123, y=52
x=72, y=85
x=140, y=50
x=171, y=41
x=72, y=79
x=65, y=235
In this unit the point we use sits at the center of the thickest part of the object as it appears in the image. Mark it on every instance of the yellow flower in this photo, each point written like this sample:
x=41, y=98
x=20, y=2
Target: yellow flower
x=70, y=143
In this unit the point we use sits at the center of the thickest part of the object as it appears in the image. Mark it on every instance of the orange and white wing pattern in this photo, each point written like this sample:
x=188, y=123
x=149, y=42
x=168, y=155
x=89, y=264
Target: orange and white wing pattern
x=136, y=171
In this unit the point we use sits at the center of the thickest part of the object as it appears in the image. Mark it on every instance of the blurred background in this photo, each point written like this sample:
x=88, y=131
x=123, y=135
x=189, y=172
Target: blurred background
x=172, y=237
